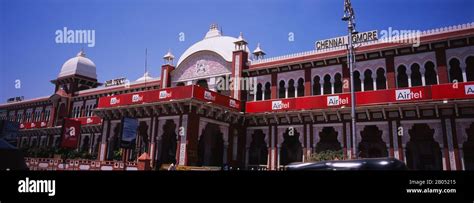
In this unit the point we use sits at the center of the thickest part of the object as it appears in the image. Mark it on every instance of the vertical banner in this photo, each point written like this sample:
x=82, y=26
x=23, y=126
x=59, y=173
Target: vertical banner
x=129, y=133
x=70, y=133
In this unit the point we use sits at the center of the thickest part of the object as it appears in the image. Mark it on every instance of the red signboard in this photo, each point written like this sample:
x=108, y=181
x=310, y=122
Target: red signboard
x=174, y=93
x=70, y=133
x=453, y=91
x=89, y=120
x=391, y=96
x=214, y=97
x=30, y=125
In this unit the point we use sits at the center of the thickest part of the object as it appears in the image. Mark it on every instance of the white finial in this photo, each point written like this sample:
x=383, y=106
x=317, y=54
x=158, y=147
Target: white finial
x=81, y=53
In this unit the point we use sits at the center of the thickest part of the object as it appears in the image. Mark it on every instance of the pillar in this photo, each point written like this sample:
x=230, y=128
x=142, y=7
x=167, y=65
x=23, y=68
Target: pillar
x=390, y=72
x=274, y=86
x=441, y=64
x=166, y=75
x=307, y=81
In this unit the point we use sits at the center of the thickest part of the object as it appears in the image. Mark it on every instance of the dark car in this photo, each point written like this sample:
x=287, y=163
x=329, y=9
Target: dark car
x=382, y=164
x=11, y=158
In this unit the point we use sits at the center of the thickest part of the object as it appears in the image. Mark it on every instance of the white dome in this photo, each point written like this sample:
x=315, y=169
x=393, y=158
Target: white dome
x=215, y=42
x=145, y=77
x=79, y=65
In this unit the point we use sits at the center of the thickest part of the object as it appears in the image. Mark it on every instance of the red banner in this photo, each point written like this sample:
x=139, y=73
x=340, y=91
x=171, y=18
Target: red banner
x=391, y=96
x=215, y=98
x=30, y=125
x=89, y=120
x=167, y=94
x=70, y=133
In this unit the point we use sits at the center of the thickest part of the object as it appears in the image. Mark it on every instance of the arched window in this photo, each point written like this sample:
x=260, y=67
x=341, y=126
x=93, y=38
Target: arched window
x=291, y=88
x=430, y=74
x=316, y=86
x=415, y=75
x=259, y=92
x=470, y=68
x=357, y=82
x=327, y=84
x=402, y=77
x=338, y=83
x=281, y=89
x=368, y=81
x=268, y=91
x=455, y=72
x=381, y=80
x=300, y=88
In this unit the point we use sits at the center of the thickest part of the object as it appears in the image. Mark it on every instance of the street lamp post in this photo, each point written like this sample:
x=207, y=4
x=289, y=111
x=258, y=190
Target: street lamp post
x=349, y=16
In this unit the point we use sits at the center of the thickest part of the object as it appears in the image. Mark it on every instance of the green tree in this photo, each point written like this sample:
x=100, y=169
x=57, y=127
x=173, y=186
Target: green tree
x=327, y=155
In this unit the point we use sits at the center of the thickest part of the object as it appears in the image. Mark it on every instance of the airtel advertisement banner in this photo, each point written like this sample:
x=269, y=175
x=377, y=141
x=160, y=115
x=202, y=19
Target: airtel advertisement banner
x=174, y=93
x=379, y=97
x=70, y=133
x=89, y=120
x=30, y=125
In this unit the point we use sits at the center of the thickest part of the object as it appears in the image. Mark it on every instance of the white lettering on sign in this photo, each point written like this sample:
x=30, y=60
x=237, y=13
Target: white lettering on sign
x=208, y=96
x=43, y=124
x=336, y=101
x=469, y=89
x=114, y=100
x=278, y=105
x=33, y=125
x=164, y=94
x=137, y=98
x=342, y=41
x=407, y=94
x=233, y=103
x=89, y=120
x=182, y=154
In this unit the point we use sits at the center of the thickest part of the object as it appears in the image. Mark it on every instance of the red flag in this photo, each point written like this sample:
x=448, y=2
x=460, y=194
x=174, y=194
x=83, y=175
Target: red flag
x=70, y=133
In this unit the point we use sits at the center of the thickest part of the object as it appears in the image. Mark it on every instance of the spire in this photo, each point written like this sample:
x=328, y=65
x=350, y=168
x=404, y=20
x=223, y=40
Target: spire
x=258, y=52
x=81, y=53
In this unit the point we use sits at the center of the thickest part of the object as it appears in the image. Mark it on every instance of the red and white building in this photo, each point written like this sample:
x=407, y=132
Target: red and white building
x=409, y=105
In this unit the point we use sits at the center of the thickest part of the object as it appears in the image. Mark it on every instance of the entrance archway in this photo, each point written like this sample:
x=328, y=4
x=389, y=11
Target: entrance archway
x=211, y=146
x=258, y=151
x=168, y=143
x=372, y=145
x=422, y=151
x=291, y=150
x=468, y=149
x=143, y=137
x=328, y=140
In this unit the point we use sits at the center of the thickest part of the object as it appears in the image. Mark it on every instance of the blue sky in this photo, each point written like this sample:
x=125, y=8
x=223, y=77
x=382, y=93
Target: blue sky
x=124, y=28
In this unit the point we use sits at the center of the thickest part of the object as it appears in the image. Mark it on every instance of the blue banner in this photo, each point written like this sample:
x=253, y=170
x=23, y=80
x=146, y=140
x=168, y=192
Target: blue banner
x=129, y=133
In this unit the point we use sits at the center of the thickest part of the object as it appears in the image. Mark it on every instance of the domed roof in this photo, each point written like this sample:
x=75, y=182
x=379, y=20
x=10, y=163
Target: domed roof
x=213, y=41
x=79, y=65
x=145, y=77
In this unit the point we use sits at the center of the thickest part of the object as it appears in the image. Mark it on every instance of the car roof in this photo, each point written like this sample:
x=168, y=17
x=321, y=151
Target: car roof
x=355, y=164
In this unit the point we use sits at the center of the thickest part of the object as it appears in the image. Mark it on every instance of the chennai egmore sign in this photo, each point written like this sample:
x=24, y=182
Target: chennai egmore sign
x=343, y=41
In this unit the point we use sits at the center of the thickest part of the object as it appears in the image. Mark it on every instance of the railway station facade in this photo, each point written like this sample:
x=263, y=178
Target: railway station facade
x=415, y=104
